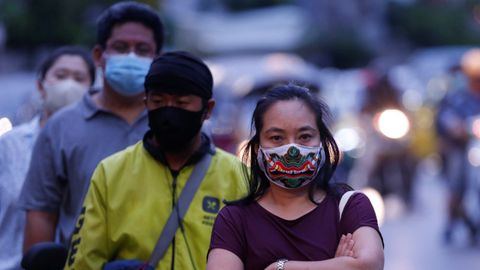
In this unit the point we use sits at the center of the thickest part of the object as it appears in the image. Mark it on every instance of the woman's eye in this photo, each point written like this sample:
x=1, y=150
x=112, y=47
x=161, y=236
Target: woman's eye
x=305, y=137
x=276, y=138
x=61, y=76
x=80, y=79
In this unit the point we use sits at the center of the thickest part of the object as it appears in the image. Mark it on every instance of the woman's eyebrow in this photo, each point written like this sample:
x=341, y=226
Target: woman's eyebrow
x=307, y=128
x=274, y=129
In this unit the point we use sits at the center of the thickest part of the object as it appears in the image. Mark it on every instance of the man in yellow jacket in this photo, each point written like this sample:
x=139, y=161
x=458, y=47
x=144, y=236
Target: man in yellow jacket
x=133, y=192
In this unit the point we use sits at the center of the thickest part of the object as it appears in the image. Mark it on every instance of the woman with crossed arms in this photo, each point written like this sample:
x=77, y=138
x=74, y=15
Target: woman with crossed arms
x=290, y=219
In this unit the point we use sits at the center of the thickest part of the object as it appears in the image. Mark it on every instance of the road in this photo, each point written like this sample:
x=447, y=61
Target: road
x=413, y=240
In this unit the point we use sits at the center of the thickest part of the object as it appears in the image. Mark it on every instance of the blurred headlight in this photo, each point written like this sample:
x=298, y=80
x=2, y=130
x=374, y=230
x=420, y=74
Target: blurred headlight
x=5, y=125
x=392, y=123
x=476, y=127
x=412, y=100
x=218, y=73
x=347, y=139
x=474, y=156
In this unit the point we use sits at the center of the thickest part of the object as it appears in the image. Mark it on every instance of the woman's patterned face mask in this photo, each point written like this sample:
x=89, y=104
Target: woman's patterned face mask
x=292, y=165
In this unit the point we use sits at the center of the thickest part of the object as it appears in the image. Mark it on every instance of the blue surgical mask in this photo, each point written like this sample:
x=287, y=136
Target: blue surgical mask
x=125, y=73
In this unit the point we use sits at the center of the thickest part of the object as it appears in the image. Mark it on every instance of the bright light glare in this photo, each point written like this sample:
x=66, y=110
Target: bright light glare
x=218, y=73
x=243, y=85
x=5, y=125
x=347, y=139
x=393, y=124
x=474, y=156
x=279, y=63
x=412, y=100
x=437, y=88
x=476, y=128
x=377, y=203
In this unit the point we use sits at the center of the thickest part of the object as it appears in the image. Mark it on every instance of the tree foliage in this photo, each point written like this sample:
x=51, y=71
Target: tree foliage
x=433, y=24
x=39, y=23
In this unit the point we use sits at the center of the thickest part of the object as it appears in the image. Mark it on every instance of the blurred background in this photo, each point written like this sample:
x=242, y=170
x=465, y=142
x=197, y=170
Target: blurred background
x=382, y=66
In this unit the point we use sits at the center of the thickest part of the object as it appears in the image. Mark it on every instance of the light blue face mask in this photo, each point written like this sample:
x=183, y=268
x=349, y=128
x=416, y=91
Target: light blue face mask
x=125, y=73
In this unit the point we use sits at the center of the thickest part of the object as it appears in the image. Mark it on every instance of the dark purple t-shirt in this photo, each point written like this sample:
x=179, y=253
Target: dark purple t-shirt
x=259, y=238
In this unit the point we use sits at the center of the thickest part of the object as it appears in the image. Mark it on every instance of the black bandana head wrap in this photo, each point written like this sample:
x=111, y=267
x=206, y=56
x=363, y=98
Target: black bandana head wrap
x=179, y=73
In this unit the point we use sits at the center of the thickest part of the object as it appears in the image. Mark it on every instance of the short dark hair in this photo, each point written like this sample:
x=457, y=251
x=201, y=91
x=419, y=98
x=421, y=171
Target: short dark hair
x=67, y=50
x=129, y=11
x=258, y=182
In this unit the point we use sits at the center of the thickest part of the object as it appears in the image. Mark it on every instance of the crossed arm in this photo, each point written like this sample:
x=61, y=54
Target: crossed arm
x=361, y=251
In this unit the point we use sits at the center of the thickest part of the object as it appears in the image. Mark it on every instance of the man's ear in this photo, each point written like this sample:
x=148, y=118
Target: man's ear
x=97, y=55
x=210, y=106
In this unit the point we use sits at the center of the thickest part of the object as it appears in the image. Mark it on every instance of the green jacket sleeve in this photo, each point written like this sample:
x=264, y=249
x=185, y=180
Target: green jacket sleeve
x=89, y=248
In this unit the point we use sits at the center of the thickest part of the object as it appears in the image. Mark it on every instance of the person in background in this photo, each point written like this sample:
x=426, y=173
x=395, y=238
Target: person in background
x=64, y=76
x=129, y=36
x=133, y=192
x=291, y=217
x=452, y=119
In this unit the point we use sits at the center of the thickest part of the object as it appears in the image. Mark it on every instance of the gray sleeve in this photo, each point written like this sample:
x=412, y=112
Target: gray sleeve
x=43, y=186
x=4, y=177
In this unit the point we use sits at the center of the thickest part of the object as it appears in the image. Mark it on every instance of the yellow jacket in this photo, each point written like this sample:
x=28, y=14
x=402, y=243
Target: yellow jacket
x=130, y=200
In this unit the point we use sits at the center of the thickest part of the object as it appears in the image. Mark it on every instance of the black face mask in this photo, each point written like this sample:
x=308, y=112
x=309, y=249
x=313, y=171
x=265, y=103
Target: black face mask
x=174, y=128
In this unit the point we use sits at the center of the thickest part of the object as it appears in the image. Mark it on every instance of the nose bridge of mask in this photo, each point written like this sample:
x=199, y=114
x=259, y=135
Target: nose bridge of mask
x=282, y=150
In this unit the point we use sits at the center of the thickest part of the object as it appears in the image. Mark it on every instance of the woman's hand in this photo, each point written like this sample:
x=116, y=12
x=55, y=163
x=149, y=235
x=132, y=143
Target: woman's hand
x=272, y=266
x=345, y=246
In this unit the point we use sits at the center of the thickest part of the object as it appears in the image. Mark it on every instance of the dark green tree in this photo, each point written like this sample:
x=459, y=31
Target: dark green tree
x=432, y=24
x=43, y=23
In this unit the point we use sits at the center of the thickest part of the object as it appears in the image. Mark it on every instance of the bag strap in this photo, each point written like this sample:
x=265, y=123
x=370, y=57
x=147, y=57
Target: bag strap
x=188, y=192
x=344, y=200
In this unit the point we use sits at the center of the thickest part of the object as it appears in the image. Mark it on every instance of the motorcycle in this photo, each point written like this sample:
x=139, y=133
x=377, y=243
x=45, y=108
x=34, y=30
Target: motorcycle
x=383, y=159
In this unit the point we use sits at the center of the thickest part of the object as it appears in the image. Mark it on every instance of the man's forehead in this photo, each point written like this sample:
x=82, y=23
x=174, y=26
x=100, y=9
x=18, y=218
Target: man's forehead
x=131, y=30
x=171, y=94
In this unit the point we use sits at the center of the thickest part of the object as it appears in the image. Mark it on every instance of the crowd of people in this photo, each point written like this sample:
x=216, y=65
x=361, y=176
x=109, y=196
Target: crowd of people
x=124, y=177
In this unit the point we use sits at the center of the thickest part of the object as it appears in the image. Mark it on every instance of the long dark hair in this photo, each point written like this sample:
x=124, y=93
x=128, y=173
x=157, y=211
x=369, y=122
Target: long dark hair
x=257, y=181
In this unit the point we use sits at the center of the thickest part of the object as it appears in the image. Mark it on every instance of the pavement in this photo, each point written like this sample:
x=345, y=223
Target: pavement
x=413, y=239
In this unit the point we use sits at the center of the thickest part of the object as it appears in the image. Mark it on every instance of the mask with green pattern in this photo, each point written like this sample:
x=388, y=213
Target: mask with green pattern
x=292, y=165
